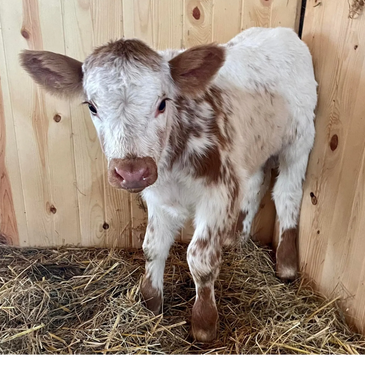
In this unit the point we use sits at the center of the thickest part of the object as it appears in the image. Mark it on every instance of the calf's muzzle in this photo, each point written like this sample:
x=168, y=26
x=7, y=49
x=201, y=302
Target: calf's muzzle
x=132, y=174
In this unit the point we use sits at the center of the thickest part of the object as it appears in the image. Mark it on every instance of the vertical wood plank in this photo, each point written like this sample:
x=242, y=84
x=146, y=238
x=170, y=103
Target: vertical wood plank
x=8, y=157
x=331, y=226
x=63, y=206
x=23, y=26
x=226, y=20
x=198, y=19
x=270, y=13
x=168, y=24
x=138, y=20
x=256, y=13
x=11, y=167
x=36, y=192
x=157, y=22
x=285, y=13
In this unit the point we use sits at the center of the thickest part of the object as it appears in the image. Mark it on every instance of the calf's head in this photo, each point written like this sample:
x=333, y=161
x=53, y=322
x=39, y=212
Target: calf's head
x=130, y=91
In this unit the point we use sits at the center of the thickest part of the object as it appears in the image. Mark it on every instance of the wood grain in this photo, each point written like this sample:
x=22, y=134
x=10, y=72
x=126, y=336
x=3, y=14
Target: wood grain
x=333, y=210
x=17, y=230
x=270, y=13
x=8, y=224
x=198, y=21
x=226, y=20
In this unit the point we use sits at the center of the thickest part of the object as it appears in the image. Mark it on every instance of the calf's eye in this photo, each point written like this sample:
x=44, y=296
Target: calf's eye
x=162, y=106
x=93, y=109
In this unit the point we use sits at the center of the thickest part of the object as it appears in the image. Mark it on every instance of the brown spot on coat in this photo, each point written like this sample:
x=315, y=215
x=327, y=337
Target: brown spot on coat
x=287, y=255
x=201, y=244
x=151, y=296
x=221, y=111
x=241, y=217
x=204, y=316
x=215, y=258
x=207, y=165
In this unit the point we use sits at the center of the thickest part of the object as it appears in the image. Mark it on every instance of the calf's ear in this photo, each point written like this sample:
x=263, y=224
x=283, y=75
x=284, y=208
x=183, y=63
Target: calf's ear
x=193, y=69
x=59, y=75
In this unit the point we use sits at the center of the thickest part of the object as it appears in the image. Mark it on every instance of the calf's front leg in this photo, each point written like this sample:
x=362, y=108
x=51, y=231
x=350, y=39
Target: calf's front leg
x=160, y=233
x=204, y=257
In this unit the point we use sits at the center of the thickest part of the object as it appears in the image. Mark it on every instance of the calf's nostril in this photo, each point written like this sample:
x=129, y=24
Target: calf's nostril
x=119, y=173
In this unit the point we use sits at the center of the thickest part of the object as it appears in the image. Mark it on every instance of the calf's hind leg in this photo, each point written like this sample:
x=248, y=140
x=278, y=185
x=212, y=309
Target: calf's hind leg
x=256, y=187
x=288, y=192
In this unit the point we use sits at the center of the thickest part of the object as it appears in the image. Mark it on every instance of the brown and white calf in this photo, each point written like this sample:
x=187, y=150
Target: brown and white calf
x=193, y=130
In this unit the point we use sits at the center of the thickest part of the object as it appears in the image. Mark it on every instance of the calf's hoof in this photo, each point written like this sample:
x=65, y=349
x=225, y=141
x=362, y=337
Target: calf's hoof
x=207, y=334
x=286, y=273
x=152, y=297
x=204, y=321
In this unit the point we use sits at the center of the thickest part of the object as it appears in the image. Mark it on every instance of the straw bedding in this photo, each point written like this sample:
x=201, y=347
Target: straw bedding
x=87, y=301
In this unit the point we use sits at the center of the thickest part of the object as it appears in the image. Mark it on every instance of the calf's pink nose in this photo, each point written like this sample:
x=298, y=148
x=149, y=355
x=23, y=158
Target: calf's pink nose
x=130, y=177
x=132, y=174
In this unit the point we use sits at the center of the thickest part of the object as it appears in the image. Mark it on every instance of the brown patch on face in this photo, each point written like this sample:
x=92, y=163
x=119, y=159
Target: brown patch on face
x=193, y=69
x=204, y=316
x=287, y=256
x=151, y=296
x=128, y=50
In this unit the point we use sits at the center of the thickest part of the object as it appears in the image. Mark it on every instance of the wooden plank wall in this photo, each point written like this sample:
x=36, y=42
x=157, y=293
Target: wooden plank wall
x=332, y=226
x=53, y=188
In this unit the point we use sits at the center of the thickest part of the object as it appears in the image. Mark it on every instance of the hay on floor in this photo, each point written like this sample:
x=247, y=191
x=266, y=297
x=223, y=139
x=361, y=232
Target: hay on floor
x=86, y=301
